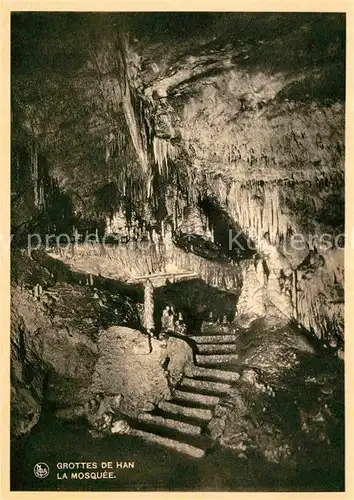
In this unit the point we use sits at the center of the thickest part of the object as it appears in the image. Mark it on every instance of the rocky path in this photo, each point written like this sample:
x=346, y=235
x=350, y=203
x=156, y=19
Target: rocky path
x=181, y=422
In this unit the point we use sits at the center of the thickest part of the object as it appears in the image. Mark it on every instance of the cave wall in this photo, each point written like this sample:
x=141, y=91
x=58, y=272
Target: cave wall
x=73, y=353
x=228, y=118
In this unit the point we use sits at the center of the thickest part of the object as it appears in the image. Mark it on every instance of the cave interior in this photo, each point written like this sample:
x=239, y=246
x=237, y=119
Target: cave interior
x=177, y=270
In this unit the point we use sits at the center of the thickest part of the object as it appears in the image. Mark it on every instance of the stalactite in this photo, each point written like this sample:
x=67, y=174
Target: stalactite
x=314, y=310
x=294, y=295
x=163, y=152
x=35, y=176
x=134, y=260
x=41, y=197
x=136, y=124
x=137, y=134
x=258, y=211
x=116, y=223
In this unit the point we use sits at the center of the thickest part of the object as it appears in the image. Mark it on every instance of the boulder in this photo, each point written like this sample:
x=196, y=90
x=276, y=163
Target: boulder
x=131, y=364
x=180, y=356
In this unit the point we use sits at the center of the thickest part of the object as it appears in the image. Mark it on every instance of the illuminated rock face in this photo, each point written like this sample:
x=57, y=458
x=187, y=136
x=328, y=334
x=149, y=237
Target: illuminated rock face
x=130, y=364
x=177, y=118
x=66, y=347
x=121, y=362
x=242, y=119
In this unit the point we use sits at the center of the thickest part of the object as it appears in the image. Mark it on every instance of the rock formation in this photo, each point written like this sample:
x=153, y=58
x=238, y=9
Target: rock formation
x=193, y=161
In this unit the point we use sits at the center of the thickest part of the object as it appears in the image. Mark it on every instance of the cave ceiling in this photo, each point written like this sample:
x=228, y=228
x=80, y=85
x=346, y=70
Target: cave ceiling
x=187, y=99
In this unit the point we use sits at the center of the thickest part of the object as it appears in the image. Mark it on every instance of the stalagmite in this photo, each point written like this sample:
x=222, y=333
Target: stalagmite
x=165, y=318
x=37, y=291
x=148, y=306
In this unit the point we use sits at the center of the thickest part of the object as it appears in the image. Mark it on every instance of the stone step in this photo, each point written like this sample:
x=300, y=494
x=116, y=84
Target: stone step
x=183, y=427
x=219, y=330
x=186, y=411
x=212, y=373
x=205, y=385
x=217, y=348
x=215, y=359
x=179, y=446
x=203, y=399
x=214, y=339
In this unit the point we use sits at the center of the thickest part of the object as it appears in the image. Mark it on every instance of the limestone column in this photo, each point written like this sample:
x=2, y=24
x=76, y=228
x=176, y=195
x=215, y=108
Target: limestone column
x=148, y=306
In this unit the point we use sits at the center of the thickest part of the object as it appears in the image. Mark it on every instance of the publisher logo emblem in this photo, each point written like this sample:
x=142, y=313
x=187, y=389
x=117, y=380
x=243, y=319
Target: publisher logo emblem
x=41, y=470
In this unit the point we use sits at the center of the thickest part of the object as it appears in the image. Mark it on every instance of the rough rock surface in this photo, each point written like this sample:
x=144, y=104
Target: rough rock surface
x=78, y=377
x=65, y=355
x=62, y=351
x=138, y=368
x=216, y=113
x=177, y=119
x=287, y=401
x=131, y=364
x=26, y=385
x=180, y=357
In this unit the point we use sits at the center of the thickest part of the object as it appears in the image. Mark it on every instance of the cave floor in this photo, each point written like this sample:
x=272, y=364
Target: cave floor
x=155, y=468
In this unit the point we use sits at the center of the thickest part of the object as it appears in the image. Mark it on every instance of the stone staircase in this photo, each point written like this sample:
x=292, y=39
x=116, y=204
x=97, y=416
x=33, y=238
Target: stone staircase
x=181, y=422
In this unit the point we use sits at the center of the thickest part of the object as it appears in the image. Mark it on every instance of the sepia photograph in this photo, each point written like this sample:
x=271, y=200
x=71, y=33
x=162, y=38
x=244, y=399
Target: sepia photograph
x=177, y=251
